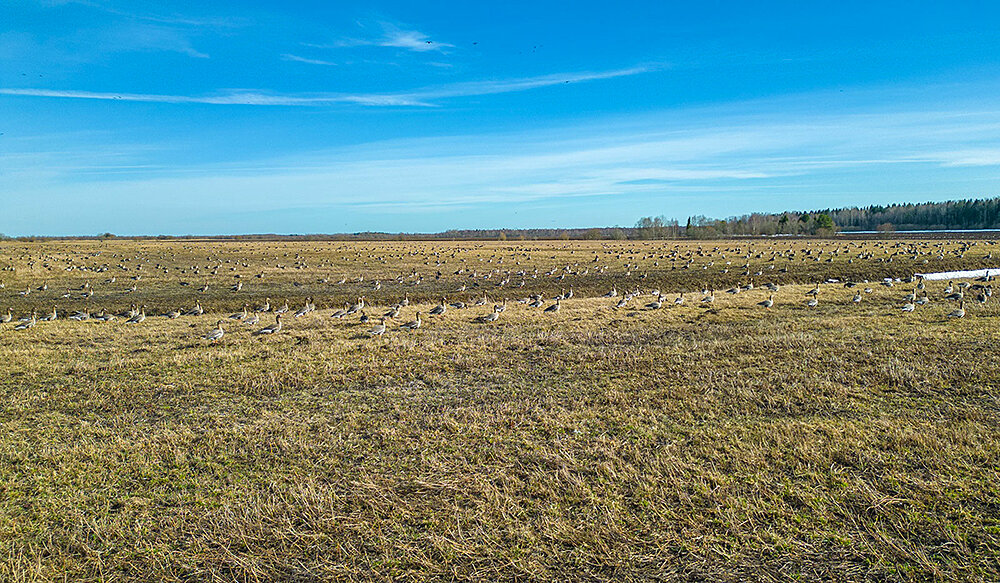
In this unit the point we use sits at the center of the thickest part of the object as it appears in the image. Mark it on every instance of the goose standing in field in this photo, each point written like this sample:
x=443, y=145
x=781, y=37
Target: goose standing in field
x=924, y=299
x=491, y=317
x=216, y=333
x=364, y=317
x=272, y=329
x=912, y=296
x=305, y=309
x=197, y=310
x=956, y=296
x=51, y=317
x=356, y=307
x=622, y=302
x=768, y=302
x=252, y=320
x=6, y=318
x=960, y=312
x=950, y=288
x=80, y=316
x=138, y=318
x=379, y=329
x=812, y=303
x=554, y=307
x=613, y=293
x=908, y=307
x=283, y=309
x=655, y=304
x=266, y=307
x=814, y=291
x=439, y=309
x=679, y=300
x=172, y=314
x=501, y=306
x=412, y=324
x=25, y=325
x=857, y=298
x=241, y=315
x=392, y=313
x=340, y=313
x=710, y=298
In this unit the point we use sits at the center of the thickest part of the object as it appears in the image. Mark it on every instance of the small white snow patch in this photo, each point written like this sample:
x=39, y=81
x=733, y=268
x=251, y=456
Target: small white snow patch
x=961, y=274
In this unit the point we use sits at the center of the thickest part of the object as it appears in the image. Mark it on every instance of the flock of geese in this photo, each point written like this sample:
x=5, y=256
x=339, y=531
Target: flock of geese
x=980, y=290
x=480, y=267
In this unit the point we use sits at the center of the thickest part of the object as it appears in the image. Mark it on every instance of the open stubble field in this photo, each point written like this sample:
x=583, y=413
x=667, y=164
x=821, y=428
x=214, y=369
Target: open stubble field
x=722, y=440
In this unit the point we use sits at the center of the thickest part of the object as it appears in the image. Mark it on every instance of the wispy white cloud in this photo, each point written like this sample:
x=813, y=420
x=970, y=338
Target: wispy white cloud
x=124, y=30
x=229, y=98
x=490, y=87
x=54, y=3
x=171, y=19
x=151, y=37
x=298, y=59
x=395, y=36
x=418, y=98
x=963, y=157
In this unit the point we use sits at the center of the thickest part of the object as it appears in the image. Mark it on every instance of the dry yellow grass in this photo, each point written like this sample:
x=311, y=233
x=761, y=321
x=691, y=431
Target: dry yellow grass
x=845, y=442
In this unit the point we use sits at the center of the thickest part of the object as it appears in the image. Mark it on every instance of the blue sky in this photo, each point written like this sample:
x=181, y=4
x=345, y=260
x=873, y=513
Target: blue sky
x=307, y=117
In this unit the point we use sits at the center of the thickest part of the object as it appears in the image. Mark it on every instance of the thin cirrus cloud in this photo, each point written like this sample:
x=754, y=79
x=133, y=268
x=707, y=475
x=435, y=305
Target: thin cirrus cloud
x=128, y=30
x=961, y=158
x=146, y=37
x=396, y=37
x=171, y=19
x=306, y=60
x=426, y=97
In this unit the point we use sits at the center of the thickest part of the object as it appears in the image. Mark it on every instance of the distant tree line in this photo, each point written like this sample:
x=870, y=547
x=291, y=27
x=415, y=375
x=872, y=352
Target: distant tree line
x=952, y=215
x=818, y=224
x=702, y=227
x=956, y=214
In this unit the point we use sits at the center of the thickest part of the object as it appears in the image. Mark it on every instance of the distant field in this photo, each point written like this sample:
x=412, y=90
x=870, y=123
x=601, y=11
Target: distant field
x=701, y=441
